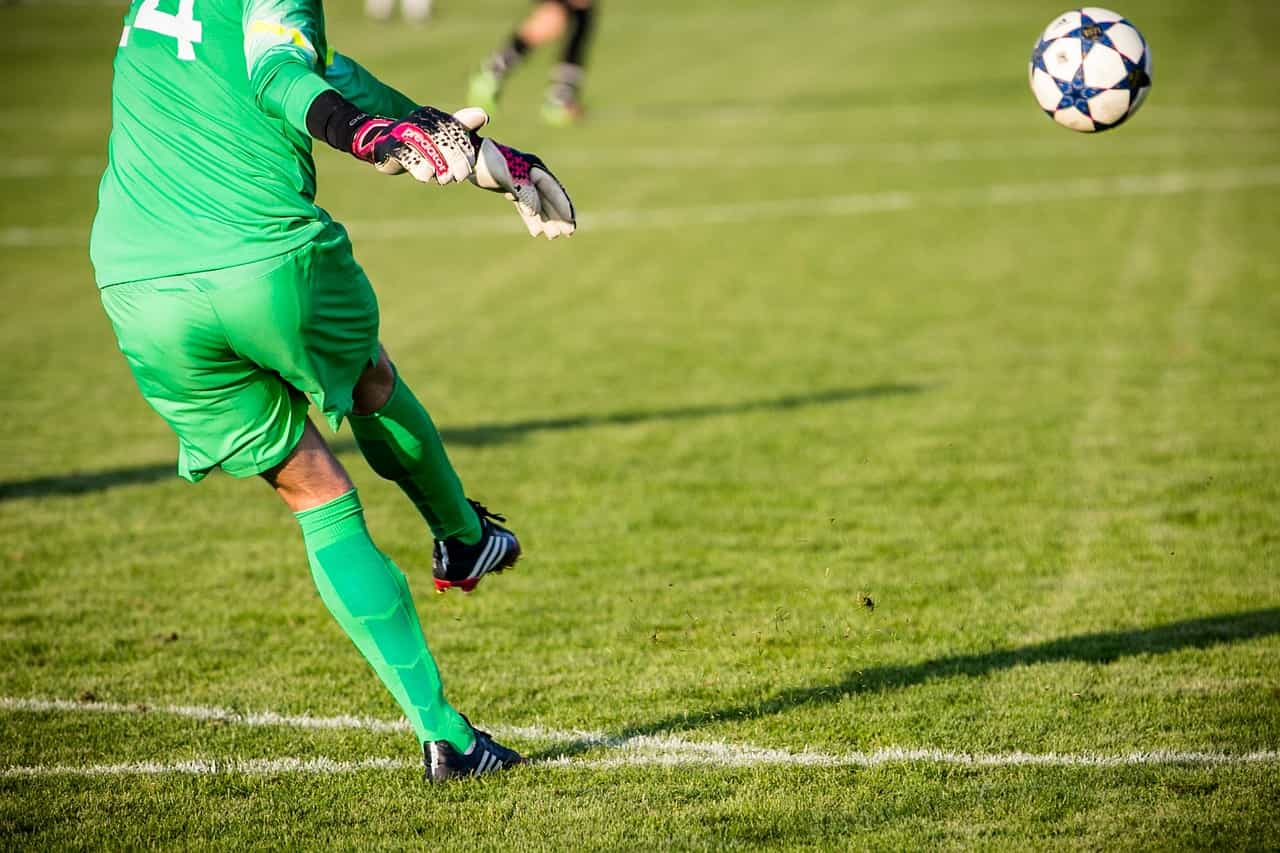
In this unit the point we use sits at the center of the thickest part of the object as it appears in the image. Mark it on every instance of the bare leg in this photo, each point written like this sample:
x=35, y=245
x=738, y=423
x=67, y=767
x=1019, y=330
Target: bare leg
x=375, y=385
x=311, y=475
x=563, y=103
x=363, y=590
x=545, y=23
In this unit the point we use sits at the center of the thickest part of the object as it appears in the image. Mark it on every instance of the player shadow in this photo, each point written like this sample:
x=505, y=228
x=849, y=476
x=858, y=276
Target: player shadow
x=479, y=435
x=485, y=434
x=1102, y=648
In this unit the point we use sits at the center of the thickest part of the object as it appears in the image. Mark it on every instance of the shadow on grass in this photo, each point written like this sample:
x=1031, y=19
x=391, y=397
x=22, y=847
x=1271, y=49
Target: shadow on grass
x=485, y=434
x=480, y=435
x=1104, y=647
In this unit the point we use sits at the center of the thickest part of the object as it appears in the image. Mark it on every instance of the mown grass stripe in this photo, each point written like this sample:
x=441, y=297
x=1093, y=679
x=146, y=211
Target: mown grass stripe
x=769, y=210
x=580, y=739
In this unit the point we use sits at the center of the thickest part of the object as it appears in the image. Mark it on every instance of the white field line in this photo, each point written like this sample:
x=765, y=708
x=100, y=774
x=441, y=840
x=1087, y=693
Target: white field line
x=197, y=712
x=739, y=757
x=818, y=155
x=212, y=767
x=858, y=204
x=817, y=207
x=799, y=157
x=879, y=758
x=643, y=750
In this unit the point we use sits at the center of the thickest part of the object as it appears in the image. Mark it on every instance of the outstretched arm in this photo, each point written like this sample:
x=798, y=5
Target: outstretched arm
x=298, y=79
x=340, y=103
x=354, y=82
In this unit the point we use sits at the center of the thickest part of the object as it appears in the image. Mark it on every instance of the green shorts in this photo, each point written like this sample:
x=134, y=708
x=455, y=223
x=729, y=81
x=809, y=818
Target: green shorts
x=229, y=357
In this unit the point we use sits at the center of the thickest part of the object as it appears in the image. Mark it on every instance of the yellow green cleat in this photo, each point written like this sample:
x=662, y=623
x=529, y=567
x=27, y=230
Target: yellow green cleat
x=558, y=113
x=484, y=89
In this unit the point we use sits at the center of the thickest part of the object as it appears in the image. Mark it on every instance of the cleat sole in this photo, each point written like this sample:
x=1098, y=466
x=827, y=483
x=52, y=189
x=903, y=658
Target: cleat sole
x=468, y=585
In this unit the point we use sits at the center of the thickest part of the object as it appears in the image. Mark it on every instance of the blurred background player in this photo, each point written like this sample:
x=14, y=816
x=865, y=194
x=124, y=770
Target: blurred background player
x=416, y=11
x=549, y=20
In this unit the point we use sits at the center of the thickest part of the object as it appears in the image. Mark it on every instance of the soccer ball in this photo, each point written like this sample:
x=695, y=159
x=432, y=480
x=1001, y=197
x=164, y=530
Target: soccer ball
x=1091, y=69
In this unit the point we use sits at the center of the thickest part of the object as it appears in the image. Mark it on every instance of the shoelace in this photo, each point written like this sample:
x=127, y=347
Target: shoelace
x=483, y=511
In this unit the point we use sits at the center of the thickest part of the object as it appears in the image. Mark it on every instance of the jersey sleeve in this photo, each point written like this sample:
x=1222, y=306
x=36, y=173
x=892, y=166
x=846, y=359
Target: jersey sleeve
x=364, y=90
x=284, y=49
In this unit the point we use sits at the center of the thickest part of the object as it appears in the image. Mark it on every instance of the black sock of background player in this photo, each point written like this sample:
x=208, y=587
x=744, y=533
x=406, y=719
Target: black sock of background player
x=508, y=57
x=580, y=26
x=566, y=80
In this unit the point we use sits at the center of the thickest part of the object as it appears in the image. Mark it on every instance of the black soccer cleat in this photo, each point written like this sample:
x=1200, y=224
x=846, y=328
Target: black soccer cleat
x=487, y=756
x=457, y=565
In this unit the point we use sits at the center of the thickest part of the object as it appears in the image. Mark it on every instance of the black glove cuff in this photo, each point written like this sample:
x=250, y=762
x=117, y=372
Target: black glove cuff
x=333, y=119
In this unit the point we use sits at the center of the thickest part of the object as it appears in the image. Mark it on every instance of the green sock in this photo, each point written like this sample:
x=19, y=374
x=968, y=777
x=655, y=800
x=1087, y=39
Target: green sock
x=401, y=444
x=370, y=598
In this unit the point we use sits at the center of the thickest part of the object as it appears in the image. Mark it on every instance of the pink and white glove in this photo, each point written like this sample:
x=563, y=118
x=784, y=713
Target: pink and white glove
x=436, y=147
x=524, y=179
x=429, y=144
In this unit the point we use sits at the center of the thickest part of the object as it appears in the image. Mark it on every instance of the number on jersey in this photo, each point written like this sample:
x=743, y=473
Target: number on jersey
x=182, y=26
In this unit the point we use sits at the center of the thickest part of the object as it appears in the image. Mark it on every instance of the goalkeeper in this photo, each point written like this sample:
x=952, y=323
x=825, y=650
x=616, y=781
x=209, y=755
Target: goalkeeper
x=237, y=303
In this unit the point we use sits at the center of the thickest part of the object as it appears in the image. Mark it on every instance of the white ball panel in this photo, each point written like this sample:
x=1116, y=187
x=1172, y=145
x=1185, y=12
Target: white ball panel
x=1066, y=23
x=1103, y=68
x=1062, y=58
x=1127, y=41
x=1102, y=16
x=1047, y=93
x=1074, y=119
x=1110, y=106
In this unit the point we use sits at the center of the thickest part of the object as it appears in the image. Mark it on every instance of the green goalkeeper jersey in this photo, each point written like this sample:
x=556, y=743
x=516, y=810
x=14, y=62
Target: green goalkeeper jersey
x=209, y=160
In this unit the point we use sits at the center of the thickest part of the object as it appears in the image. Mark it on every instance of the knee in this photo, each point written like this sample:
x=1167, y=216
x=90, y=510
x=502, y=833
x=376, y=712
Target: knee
x=547, y=22
x=374, y=386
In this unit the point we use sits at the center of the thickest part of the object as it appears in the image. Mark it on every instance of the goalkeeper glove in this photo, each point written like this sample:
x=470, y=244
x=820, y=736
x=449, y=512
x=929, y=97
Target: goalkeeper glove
x=434, y=146
x=429, y=144
x=524, y=179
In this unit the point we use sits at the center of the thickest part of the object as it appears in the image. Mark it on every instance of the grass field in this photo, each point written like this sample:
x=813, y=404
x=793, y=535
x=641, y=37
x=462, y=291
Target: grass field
x=897, y=469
